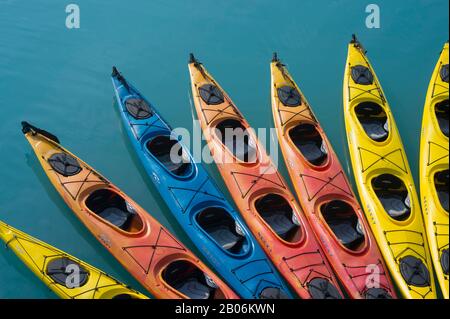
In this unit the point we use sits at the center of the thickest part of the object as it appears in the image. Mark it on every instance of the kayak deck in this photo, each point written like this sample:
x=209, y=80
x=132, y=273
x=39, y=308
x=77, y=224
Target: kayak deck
x=434, y=174
x=163, y=265
x=195, y=200
x=260, y=192
x=54, y=267
x=384, y=179
x=325, y=193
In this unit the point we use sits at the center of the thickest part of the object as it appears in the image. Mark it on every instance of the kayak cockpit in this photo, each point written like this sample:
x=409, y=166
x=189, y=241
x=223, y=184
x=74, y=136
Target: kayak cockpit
x=373, y=120
x=279, y=215
x=310, y=143
x=171, y=155
x=223, y=229
x=190, y=281
x=60, y=269
x=113, y=208
x=393, y=196
x=441, y=183
x=441, y=111
x=236, y=138
x=344, y=223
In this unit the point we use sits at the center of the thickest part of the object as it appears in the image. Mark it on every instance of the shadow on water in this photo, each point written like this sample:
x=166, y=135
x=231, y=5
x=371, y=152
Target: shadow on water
x=101, y=252
x=176, y=228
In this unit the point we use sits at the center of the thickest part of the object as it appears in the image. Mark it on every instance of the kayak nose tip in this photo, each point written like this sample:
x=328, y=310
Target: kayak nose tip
x=192, y=58
x=275, y=57
x=115, y=72
x=354, y=39
x=26, y=127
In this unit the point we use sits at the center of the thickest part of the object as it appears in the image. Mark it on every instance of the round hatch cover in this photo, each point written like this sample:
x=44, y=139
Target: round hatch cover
x=362, y=75
x=64, y=164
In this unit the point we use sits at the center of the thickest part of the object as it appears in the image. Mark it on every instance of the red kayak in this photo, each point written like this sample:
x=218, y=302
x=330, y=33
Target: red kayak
x=325, y=193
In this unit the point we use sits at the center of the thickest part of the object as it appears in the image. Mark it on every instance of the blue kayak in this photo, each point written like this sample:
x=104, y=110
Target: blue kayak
x=196, y=202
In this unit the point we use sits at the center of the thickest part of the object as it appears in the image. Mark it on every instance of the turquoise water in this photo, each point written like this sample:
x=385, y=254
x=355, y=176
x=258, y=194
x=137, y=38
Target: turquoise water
x=59, y=79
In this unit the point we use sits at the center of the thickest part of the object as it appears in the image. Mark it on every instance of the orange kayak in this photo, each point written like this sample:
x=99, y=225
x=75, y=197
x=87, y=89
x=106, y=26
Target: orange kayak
x=325, y=193
x=260, y=192
x=166, y=268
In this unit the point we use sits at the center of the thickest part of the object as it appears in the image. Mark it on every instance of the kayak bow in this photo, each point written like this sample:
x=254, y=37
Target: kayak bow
x=55, y=267
x=143, y=246
x=260, y=192
x=325, y=193
x=194, y=199
x=384, y=179
x=434, y=176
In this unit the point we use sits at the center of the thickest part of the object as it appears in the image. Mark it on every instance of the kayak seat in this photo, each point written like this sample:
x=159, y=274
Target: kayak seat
x=441, y=182
x=236, y=138
x=279, y=215
x=222, y=228
x=346, y=232
x=194, y=289
x=393, y=196
x=344, y=223
x=442, y=116
x=224, y=237
x=115, y=216
x=289, y=96
x=280, y=223
x=162, y=147
x=211, y=94
x=395, y=205
x=362, y=75
x=374, y=120
x=310, y=143
x=189, y=280
x=138, y=108
x=111, y=207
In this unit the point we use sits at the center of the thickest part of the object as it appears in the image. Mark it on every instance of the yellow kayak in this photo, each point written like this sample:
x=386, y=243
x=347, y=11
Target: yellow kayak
x=66, y=276
x=384, y=179
x=434, y=178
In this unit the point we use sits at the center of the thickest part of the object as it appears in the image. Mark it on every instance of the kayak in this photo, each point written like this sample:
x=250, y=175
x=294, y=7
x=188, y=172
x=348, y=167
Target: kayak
x=194, y=199
x=325, y=193
x=162, y=264
x=434, y=176
x=260, y=192
x=67, y=276
x=384, y=180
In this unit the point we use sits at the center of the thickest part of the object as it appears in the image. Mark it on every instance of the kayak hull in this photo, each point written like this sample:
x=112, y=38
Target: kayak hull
x=300, y=261
x=39, y=256
x=147, y=251
x=434, y=160
x=360, y=269
x=247, y=270
x=403, y=243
